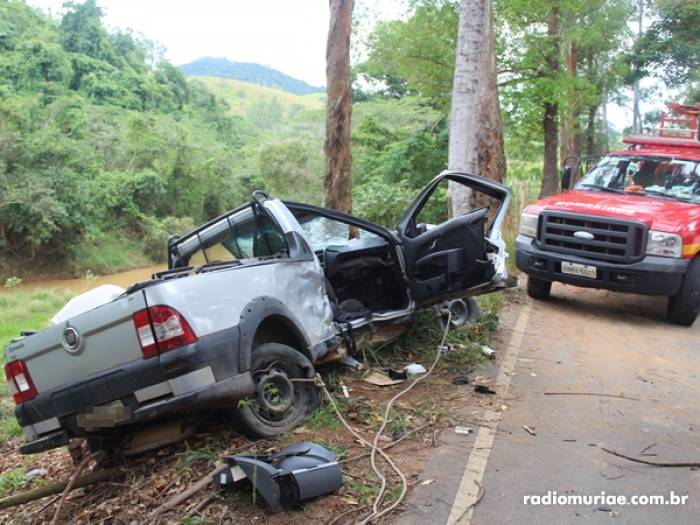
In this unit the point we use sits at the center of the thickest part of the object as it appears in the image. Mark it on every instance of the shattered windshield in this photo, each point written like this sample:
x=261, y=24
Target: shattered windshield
x=654, y=177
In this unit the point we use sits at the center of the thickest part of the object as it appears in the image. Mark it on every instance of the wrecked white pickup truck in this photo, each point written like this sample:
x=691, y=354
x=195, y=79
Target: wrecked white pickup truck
x=250, y=302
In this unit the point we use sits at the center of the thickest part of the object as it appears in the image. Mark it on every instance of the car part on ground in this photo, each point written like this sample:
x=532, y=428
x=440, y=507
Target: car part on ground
x=300, y=472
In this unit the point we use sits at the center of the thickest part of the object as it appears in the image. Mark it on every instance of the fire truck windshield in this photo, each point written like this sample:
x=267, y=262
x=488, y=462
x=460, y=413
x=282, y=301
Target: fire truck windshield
x=652, y=176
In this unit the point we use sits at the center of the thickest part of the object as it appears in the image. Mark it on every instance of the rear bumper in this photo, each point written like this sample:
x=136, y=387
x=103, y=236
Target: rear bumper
x=194, y=376
x=650, y=276
x=235, y=387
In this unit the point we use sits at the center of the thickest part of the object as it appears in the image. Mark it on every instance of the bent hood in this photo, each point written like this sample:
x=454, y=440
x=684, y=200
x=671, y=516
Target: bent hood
x=656, y=212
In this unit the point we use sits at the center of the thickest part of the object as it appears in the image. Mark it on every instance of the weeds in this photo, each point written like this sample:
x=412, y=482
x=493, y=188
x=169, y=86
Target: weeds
x=363, y=491
x=12, y=282
x=209, y=455
x=13, y=480
x=324, y=418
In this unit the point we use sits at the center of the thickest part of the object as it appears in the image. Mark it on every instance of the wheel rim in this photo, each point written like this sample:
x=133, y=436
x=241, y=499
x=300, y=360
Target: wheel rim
x=276, y=395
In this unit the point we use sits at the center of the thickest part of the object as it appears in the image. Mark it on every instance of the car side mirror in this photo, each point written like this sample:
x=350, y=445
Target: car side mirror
x=566, y=172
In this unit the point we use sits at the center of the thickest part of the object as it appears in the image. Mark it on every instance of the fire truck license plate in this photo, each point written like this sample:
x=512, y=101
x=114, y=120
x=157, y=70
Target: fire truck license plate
x=582, y=270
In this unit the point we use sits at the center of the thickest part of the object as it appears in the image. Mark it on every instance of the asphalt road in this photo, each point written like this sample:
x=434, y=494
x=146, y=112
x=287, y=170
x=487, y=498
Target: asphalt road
x=576, y=344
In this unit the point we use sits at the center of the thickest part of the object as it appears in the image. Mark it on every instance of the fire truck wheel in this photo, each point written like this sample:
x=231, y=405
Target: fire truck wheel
x=683, y=308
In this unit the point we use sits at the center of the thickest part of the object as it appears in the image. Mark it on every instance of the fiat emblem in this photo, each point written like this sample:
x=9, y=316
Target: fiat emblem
x=71, y=339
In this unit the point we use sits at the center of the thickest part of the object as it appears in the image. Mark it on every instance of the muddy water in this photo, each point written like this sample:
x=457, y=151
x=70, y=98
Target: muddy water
x=123, y=279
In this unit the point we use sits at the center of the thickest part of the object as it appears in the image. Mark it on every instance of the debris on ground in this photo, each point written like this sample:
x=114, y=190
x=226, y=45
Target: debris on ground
x=463, y=377
x=483, y=389
x=529, y=430
x=35, y=473
x=415, y=369
x=463, y=430
x=353, y=363
x=379, y=379
x=300, y=472
x=397, y=374
x=488, y=351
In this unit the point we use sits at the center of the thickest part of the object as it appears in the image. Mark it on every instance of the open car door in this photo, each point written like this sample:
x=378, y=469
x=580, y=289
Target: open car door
x=461, y=256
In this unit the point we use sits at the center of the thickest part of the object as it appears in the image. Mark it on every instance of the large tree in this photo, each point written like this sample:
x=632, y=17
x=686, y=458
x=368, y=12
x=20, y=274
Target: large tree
x=476, y=129
x=338, y=179
x=416, y=56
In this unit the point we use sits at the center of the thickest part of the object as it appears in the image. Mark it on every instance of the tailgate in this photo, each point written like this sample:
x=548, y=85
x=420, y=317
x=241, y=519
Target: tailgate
x=107, y=339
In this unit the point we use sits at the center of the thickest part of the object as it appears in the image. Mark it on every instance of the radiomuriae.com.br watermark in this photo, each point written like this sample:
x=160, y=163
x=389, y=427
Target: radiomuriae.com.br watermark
x=553, y=498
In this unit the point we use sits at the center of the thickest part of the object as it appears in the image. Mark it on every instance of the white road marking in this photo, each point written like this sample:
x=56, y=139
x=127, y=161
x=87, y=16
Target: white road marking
x=478, y=458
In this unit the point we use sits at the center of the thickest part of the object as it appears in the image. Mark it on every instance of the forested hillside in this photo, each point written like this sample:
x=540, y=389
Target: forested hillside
x=103, y=153
x=247, y=72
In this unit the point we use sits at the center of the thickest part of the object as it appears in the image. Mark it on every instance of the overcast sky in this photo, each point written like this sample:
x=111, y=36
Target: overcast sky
x=288, y=35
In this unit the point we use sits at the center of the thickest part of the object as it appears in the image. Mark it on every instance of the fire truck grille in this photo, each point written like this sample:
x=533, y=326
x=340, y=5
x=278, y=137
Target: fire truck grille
x=592, y=237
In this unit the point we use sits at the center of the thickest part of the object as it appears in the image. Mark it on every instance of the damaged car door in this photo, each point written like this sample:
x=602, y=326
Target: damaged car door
x=454, y=256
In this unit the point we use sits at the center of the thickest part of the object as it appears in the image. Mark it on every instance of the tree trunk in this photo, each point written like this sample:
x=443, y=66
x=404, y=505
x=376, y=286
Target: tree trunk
x=605, y=149
x=491, y=156
x=466, y=95
x=571, y=126
x=550, y=126
x=338, y=180
x=636, y=115
x=590, y=130
x=491, y=149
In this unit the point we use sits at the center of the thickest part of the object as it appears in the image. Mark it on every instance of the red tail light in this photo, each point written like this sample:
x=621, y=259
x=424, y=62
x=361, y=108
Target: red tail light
x=160, y=329
x=21, y=385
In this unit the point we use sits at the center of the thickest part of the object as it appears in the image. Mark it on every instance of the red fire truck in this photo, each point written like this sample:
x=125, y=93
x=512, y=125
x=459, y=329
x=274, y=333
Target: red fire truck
x=629, y=224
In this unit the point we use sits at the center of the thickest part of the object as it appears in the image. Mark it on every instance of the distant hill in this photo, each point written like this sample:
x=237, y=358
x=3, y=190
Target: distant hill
x=247, y=72
x=243, y=96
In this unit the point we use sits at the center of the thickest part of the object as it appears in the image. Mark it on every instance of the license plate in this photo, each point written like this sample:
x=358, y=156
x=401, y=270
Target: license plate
x=582, y=270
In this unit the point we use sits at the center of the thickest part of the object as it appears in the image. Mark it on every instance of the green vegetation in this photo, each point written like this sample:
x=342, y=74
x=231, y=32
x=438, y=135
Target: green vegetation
x=243, y=99
x=100, y=142
x=12, y=480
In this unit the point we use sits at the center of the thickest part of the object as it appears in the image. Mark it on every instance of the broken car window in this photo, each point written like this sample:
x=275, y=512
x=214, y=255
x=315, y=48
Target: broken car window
x=244, y=235
x=322, y=232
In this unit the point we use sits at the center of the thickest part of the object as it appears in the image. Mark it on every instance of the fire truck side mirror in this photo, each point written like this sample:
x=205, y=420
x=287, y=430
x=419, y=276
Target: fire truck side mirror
x=566, y=172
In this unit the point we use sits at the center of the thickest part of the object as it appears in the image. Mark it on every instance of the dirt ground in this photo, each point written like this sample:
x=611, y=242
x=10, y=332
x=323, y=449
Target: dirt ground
x=423, y=417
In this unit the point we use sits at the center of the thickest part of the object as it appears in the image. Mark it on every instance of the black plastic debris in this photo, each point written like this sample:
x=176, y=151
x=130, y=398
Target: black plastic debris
x=299, y=472
x=483, y=389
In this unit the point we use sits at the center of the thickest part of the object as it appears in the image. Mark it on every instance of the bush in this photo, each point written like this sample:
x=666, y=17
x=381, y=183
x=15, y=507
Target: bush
x=157, y=231
x=381, y=202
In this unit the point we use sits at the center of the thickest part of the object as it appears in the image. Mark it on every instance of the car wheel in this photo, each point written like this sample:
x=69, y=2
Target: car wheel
x=538, y=288
x=683, y=307
x=280, y=403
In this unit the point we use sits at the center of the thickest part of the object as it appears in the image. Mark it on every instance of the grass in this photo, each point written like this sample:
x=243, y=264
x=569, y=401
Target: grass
x=12, y=480
x=242, y=97
x=323, y=418
x=19, y=311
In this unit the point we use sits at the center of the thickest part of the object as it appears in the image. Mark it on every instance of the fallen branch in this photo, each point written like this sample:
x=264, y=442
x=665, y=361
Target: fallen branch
x=55, y=488
x=653, y=463
x=199, y=506
x=78, y=470
x=618, y=396
x=183, y=496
